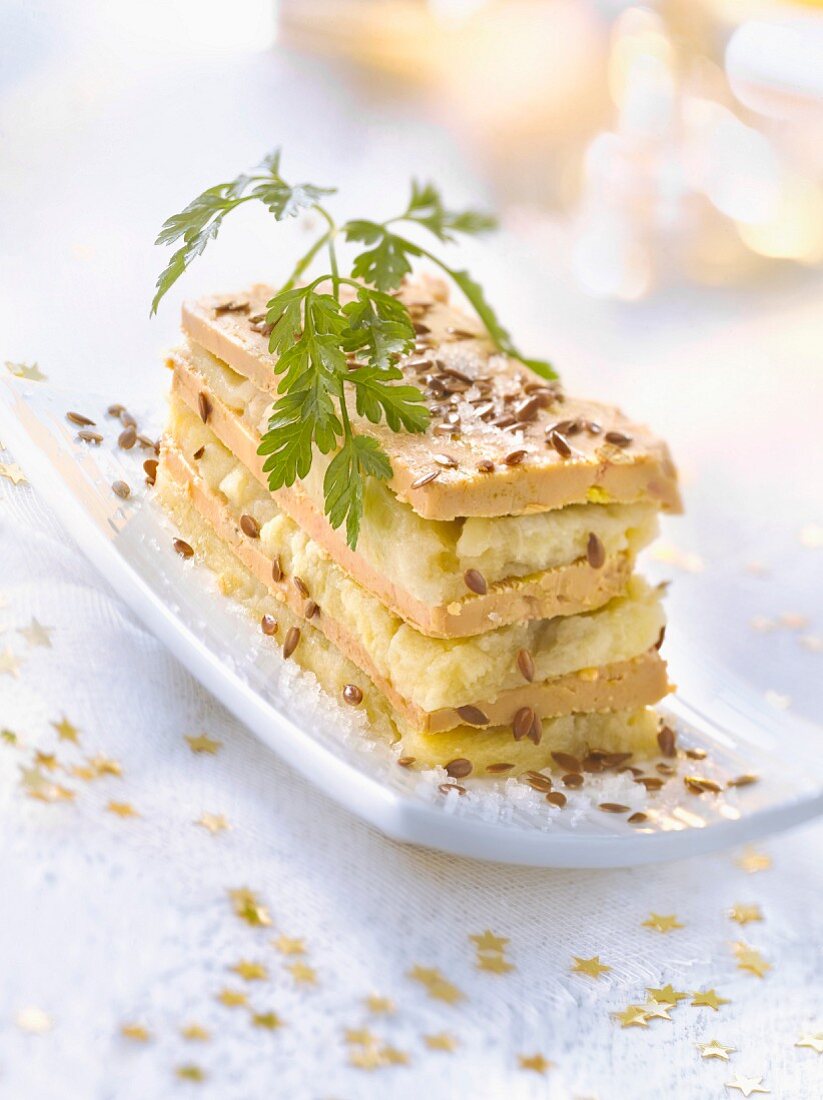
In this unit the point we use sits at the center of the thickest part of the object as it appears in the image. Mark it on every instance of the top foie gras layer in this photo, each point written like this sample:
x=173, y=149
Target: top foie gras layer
x=501, y=440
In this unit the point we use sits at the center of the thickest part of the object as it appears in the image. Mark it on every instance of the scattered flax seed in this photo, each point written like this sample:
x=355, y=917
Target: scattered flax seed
x=90, y=437
x=354, y=697
x=696, y=754
x=268, y=624
x=459, y=768
x=80, y=420
x=537, y=781
x=473, y=715
x=249, y=526
x=638, y=818
x=556, y=798
x=150, y=470
x=497, y=769
x=573, y=779
x=148, y=444
x=525, y=662
x=183, y=548
x=559, y=443
x=276, y=570
x=699, y=785
x=199, y=452
x=290, y=644
x=666, y=769
x=619, y=439
x=515, y=458
x=650, y=782
x=420, y=328
x=311, y=609
x=742, y=781
x=522, y=723
x=425, y=479
x=613, y=808
x=444, y=788
x=475, y=582
x=566, y=761
x=536, y=731
x=446, y=461
x=121, y=489
x=406, y=761
x=231, y=307
x=615, y=759
x=127, y=438
x=595, y=551
x=667, y=741
x=204, y=407
x=116, y=410
x=485, y=466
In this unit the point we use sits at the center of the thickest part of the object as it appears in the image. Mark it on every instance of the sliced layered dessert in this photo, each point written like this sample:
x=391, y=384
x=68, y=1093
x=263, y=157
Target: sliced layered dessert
x=490, y=617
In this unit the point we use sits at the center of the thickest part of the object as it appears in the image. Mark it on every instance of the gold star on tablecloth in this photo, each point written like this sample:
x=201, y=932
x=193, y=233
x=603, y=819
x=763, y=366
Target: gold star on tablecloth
x=33, y=1019
x=744, y=914
x=814, y=1041
x=302, y=973
x=232, y=998
x=359, y=1036
x=250, y=971
x=204, y=743
x=215, y=823
x=747, y=1085
x=47, y=760
x=487, y=941
x=535, y=1062
x=657, y=1010
x=437, y=987
x=662, y=922
x=36, y=634
x=9, y=662
x=190, y=1072
x=249, y=908
x=195, y=1033
x=593, y=967
x=441, y=1041
x=395, y=1057
x=714, y=1049
x=270, y=1021
x=66, y=731
x=122, y=809
x=708, y=998
x=13, y=472
x=288, y=945
x=632, y=1016
x=752, y=861
x=138, y=1033
x=495, y=964
x=380, y=1006
x=41, y=787
x=667, y=995
x=30, y=371
x=750, y=960
x=366, y=1057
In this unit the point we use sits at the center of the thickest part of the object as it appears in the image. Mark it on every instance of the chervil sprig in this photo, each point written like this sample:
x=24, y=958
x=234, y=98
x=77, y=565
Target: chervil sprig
x=327, y=350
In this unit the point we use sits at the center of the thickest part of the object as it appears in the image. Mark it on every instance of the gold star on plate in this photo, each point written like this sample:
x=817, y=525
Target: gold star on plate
x=66, y=731
x=190, y=1072
x=487, y=941
x=715, y=1050
x=708, y=998
x=122, y=809
x=632, y=1016
x=495, y=964
x=9, y=662
x=437, y=987
x=29, y=371
x=138, y=1033
x=750, y=960
x=535, y=1062
x=36, y=634
x=657, y=1010
x=287, y=945
x=359, y=1036
x=744, y=914
x=13, y=472
x=204, y=743
x=214, y=823
x=441, y=1041
x=250, y=971
x=302, y=973
x=232, y=998
x=270, y=1021
x=753, y=861
x=33, y=1019
x=593, y=967
x=747, y=1085
x=380, y=1006
x=195, y=1033
x=662, y=922
x=667, y=995
x=249, y=908
x=812, y=1041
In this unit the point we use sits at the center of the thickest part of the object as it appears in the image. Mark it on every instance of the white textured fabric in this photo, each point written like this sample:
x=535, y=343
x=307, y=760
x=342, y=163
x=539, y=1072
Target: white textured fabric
x=108, y=920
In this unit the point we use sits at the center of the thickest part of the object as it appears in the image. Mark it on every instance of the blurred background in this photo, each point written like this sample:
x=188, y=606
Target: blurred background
x=658, y=172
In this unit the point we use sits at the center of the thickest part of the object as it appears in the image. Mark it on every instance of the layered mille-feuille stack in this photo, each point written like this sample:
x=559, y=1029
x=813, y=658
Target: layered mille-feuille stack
x=490, y=615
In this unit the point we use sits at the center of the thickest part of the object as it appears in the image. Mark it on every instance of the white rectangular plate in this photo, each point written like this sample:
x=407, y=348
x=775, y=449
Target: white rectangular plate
x=130, y=543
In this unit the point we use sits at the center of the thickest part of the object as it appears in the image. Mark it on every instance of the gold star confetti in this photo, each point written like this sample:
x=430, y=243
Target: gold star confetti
x=657, y=1010
x=36, y=634
x=487, y=941
x=232, y=998
x=138, y=1033
x=104, y=765
x=286, y=945
x=47, y=760
x=13, y=472
x=214, y=823
x=535, y=1062
x=122, y=809
x=715, y=1050
x=667, y=995
x=395, y=1057
x=33, y=1019
x=9, y=663
x=744, y=914
x=814, y=1041
x=753, y=861
x=369, y=1057
x=8, y=736
x=359, y=1036
x=662, y=922
x=441, y=1041
x=250, y=971
x=270, y=1021
x=437, y=987
x=66, y=731
x=41, y=787
x=84, y=772
x=204, y=743
x=249, y=908
x=593, y=967
x=302, y=973
x=750, y=960
x=380, y=1006
x=747, y=1085
x=195, y=1033
x=495, y=964
x=811, y=536
x=29, y=371
x=632, y=1016
x=708, y=998
x=190, y=1072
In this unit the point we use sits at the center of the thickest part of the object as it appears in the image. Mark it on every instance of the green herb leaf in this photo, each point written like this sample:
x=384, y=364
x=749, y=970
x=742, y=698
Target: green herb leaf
x=377, y=396
x=427, y=209
x=378, y=328
x=359, y=456
x=387, y=263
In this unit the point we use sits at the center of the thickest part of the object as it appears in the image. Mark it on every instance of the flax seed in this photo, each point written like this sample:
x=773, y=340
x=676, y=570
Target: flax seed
x=249, y=526
x=595, y=551
x=473, y=715
x=525, y=663
x=475, y=582
x=353, y=696
x=268, y=624
x=290, y=644
x=182, y=548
